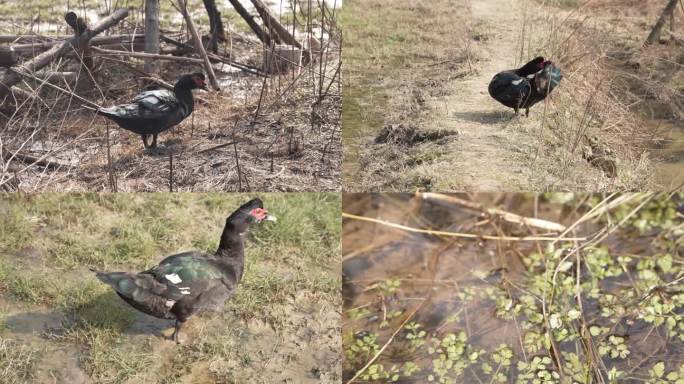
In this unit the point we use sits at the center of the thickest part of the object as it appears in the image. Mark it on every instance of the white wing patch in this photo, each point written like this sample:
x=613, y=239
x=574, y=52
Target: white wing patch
x=517, y=82
x=169, y=303
x=184, y=290
x=173, y=278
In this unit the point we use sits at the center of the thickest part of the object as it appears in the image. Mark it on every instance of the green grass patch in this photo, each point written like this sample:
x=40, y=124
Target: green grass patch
x=93, y=305
x=109, y=358
x=21, y=284
x=132, y=232
x=16, y=226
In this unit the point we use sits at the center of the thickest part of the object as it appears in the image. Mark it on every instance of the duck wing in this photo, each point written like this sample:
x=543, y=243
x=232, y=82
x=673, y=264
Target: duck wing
x=147, y=106
x=144, y=292
x=510, y=89
x=206, y=279
x=158, y=103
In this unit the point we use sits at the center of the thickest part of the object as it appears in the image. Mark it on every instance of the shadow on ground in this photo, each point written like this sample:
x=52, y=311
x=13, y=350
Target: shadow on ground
x=489, y=117
x=105, y=311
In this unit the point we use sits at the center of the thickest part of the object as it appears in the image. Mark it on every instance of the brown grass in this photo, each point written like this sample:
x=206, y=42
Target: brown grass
x=615, y=92
x=397, y=54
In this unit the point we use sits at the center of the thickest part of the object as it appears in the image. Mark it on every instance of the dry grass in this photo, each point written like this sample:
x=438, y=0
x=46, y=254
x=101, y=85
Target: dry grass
x=17, y=361
x=397, y=54
x=614, y=96
x=592, y=135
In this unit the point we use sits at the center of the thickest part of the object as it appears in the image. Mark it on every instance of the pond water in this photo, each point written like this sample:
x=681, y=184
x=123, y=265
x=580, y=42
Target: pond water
x=478, y=300
x=669, y=154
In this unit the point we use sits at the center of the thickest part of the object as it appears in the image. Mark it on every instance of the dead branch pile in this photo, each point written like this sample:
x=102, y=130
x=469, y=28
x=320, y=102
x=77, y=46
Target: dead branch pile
x=273, y=126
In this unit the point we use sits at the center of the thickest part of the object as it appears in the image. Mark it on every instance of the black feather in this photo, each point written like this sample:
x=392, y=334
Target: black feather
x=525, y=86
x=153, y=112
x=190, y=282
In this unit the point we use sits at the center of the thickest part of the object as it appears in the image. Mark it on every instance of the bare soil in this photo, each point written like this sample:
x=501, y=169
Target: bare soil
x=263, y=352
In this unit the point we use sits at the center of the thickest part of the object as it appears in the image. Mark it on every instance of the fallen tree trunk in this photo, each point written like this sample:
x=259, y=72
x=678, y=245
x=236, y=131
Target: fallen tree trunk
x=658, y=27
x=274, y=25
x=57, y=76
x=215, y=58
x=123, y=46
x=143, y=55
x=8, y=57
x=41, y=161
x=215, y=25
x=12, y=77
x=261, y=34
x=24, y=38
x=40, y=43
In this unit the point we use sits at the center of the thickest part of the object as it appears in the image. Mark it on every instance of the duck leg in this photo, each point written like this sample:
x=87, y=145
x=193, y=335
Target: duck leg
x=144, y=139
x=527, y=112
x=516, y=110
x=174, y=336
x=154, y=140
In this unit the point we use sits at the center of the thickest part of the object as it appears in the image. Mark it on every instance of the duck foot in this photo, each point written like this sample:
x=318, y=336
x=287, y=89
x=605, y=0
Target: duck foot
x=154, y=141
x=144, y=139
x=176, y=336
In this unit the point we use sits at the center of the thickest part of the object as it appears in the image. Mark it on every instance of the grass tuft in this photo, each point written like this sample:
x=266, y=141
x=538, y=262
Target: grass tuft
x=17, y=361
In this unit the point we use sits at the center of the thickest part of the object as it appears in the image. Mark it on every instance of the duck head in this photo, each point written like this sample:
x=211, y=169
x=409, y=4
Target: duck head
x=535, y=65
x=192, y=81
x=252, y=212
x=546, y=63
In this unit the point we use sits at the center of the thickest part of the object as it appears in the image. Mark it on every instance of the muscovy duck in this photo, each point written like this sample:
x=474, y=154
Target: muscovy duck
x=156, y=111
x=191, y=282
x=527, y=85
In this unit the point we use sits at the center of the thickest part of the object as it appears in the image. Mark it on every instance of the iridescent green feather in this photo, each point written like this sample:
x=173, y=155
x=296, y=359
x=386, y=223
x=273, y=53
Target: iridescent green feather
x=189, y=268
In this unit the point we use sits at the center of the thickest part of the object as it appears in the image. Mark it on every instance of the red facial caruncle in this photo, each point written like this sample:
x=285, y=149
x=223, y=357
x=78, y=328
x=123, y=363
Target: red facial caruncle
x=199, y=81
x=259, y=213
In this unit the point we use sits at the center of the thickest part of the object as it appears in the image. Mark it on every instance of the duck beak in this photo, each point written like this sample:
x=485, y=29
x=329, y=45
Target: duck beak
x=270, y=218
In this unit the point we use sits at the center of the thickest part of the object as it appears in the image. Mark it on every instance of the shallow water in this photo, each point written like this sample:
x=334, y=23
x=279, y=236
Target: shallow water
x=669, y=155
x=362, y=120
x=460, y=281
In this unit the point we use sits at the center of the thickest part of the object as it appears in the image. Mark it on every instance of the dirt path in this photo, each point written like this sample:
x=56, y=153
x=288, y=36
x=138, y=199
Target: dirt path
x=491, y=151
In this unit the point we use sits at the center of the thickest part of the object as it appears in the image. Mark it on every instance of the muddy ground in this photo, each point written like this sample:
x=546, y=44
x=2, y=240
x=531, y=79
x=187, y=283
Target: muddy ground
x=597, y=132
x=59, y=324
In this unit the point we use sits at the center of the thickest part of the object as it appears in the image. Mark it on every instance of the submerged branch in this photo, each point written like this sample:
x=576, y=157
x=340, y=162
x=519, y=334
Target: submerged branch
x=458, y=234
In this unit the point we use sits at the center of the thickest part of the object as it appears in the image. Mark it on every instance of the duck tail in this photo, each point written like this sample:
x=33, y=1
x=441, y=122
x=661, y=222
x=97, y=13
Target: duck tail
x=122, y=282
